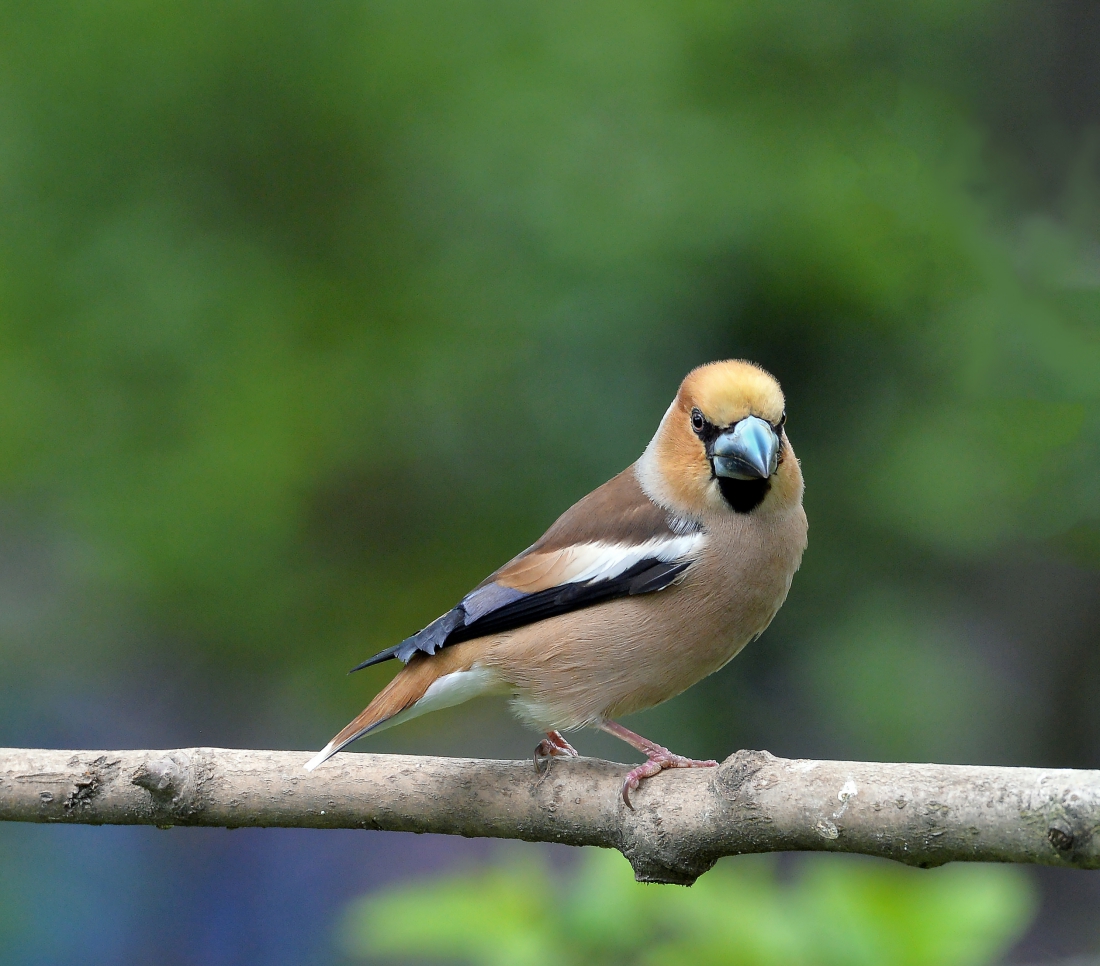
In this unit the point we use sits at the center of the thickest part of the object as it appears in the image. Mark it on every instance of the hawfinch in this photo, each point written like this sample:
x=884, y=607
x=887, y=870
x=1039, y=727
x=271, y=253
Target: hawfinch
x=647, y=585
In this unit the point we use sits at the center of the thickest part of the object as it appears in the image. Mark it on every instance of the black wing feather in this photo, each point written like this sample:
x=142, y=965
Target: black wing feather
x=472, y=618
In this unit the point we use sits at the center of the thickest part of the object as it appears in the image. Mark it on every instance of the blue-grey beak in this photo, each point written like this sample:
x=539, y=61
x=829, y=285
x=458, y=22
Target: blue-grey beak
x=749, y=451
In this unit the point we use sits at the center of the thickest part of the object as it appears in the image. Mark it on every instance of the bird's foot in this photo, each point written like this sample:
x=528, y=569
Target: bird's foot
x=552, y=746
x=659, y=759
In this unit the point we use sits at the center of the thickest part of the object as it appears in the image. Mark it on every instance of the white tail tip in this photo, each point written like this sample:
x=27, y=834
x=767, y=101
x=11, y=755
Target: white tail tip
x=321, y=757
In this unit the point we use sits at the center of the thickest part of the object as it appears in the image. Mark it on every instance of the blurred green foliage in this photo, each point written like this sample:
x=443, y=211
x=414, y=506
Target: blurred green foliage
x=312, y=314
x=831, y=913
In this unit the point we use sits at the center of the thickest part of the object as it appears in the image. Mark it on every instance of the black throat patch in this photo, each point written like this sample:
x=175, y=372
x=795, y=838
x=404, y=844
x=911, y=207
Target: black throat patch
x=743, y=495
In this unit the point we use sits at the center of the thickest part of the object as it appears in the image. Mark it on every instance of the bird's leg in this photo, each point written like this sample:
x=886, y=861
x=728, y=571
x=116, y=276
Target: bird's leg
x=553, y=745
x=659, y=757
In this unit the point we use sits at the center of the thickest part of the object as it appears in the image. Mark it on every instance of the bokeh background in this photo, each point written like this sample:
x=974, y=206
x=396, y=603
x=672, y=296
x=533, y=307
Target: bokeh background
x=311, y=314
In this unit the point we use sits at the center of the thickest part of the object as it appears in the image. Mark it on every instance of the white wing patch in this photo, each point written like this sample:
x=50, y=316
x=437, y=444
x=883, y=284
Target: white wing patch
x=604, y=561
x=589, y=563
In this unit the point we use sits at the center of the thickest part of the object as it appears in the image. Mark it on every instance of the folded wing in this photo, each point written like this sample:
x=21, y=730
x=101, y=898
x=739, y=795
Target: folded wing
x=614, y=543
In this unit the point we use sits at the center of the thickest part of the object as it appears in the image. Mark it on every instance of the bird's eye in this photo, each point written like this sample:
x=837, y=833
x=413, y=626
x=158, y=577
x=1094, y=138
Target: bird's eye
x=781, y=423
x=698, y=423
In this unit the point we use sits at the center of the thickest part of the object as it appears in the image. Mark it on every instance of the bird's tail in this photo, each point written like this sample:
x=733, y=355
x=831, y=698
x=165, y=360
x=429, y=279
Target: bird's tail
x=424, y=684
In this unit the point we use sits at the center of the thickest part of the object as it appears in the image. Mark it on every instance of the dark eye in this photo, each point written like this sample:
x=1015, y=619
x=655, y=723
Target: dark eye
x=698, y=423
x=781, y=423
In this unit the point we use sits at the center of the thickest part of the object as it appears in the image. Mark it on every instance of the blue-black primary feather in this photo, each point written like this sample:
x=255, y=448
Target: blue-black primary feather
x=494, y=609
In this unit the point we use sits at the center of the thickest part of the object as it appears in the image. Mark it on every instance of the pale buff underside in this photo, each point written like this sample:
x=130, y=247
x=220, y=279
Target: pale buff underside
x=633, y=653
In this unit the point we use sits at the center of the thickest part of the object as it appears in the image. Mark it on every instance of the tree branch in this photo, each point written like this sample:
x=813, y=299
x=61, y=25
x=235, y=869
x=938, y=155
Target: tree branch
x=684, y=821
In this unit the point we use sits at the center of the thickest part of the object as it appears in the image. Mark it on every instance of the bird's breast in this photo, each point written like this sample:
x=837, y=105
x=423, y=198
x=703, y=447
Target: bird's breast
x=635, y=652
x=731, y=595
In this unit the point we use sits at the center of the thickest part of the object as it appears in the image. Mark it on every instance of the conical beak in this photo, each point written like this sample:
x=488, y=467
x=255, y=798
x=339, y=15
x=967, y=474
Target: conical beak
x=748, y=451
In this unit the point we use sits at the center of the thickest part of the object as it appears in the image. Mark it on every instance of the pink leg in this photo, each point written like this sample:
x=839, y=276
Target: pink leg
x=553, y=745
x=659, y=758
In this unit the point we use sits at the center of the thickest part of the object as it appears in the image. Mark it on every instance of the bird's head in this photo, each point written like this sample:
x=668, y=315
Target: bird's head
x=722, y=445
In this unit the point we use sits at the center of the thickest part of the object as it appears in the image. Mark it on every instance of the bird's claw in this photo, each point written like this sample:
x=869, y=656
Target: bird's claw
x=552, y=746
x=659, y=760
x=541, y=757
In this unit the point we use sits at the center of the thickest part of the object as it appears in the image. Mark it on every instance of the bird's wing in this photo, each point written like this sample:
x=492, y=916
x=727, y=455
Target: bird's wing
x=614, y=543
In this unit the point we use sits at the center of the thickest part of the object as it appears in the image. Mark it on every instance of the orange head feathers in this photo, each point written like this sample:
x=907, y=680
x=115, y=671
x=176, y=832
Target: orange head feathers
x=722, y=445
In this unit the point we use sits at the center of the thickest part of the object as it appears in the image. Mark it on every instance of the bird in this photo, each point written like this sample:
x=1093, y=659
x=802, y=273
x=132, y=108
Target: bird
x=642, y=588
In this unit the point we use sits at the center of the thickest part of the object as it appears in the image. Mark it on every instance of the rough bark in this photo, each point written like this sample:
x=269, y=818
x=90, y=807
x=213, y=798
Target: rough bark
x=684, y=821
